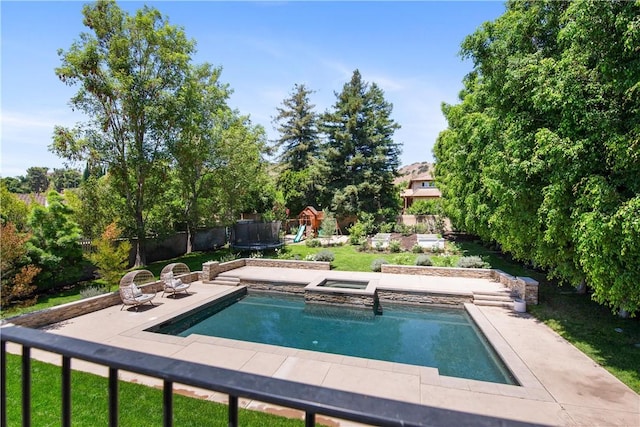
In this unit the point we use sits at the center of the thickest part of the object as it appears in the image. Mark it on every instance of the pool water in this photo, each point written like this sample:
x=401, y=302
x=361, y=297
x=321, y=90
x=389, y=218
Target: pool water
x=446, y=339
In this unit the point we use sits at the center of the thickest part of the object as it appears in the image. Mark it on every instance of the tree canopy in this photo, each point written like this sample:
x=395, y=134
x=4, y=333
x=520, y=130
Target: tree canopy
x=361, y=159
x=542, y=153
x=299, y=139
x=158, y=125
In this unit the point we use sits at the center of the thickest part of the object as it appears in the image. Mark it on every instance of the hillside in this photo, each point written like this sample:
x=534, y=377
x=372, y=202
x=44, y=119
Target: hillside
x=414, y=169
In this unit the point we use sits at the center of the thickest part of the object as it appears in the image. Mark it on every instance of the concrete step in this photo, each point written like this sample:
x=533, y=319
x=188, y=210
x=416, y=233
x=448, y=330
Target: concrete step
x=488, y=303
x=503, y=298
x=227, y=278
x=224, y=281
x=495, y=293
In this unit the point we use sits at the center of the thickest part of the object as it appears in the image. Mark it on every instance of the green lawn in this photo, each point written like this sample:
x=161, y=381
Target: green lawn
x=139, y=405
x=348, y=258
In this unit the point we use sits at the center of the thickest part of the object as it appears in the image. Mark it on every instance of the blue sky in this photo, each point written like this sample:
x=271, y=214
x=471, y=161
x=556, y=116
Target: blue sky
x=410, y=49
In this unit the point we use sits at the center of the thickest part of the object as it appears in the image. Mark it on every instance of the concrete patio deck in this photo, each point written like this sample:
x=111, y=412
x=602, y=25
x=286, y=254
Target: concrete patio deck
x=559, y=384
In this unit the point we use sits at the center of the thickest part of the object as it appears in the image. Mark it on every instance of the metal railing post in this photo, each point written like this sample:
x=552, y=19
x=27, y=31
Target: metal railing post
x=233, y=411
x=26, y=386
x=66, y=391
x=167, y=401
x=3, y=383
x=113, y=397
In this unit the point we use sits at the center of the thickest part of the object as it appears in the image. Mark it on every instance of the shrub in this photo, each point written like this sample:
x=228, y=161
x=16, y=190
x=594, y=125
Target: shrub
x=471, y=262
x=425, y=207
x=435, y=249
x=92, y=291
x=387, y=227
x=424, y=260
x=403, y=229
x=288, y=255
x=362, y=228
x=110, y=255
x=326, y=256
x=313, y=243
x=376, y=265
x=421, y=228
x=446, y=261
x=256, y=254
x=402, y=259
x=310, y=257
x=394, y=246
x=229, y=257
x=363, y=247
x=417, y=249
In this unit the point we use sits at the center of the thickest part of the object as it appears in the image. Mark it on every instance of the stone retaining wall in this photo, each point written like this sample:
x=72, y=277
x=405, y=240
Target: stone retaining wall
x=474, y=273
x=288, y=263
x=341, y=298
x=523, y=287
x=421, y=298
x=291, y=288
x=212, y=268
x=73, y=309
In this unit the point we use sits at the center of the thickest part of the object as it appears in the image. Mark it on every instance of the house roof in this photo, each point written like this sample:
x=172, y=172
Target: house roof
x=422, y=192
x=38, y=198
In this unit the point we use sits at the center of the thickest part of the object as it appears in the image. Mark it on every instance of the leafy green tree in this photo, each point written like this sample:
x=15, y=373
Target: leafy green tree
x=240, y=179
x=54, y=245
x=299, y=140
x=194, y=150
x=541, y=153
x=65, y=178
x=129, y=70
x=110, y=256
x=15, y=184
x=95, y=205
x=14, y=210
x=37, y=179
x=361, y=158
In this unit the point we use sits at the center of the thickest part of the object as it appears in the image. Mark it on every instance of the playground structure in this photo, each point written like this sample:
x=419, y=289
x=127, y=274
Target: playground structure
x=309, y=224
x=309, y=220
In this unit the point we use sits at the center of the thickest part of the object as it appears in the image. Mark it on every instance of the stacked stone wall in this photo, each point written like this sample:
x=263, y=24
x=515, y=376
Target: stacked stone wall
x=366, y=301
x=523, y=287
x=422, y=298
x=288, y=263
x=473, y=273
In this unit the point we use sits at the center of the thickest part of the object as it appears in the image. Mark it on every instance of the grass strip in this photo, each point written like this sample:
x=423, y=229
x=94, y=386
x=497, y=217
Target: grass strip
x=139, y=405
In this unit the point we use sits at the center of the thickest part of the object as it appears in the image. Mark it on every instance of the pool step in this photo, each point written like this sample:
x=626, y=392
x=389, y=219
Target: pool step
x=224, y=280
x=494, y=299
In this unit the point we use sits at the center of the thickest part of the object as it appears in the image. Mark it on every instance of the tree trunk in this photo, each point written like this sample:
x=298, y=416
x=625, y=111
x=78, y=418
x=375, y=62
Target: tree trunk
x=141, y=247
x=190, y=236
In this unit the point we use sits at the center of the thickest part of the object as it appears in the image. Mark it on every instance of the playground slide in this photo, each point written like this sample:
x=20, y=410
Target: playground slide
x=299, y=234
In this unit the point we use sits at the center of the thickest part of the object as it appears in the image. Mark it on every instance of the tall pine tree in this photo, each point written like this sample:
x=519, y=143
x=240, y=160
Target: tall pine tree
x=361, y=159
x=297, y=125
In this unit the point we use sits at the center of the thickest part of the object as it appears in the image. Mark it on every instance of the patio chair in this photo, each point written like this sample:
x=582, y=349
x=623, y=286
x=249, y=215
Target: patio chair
x=172, y=285
x=130, y=293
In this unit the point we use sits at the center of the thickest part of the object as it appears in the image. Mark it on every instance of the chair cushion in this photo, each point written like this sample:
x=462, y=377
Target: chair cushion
x=135, y=290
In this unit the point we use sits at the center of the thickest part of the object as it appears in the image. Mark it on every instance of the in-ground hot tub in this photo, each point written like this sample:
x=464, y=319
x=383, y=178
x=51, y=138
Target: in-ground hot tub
x=336, y=291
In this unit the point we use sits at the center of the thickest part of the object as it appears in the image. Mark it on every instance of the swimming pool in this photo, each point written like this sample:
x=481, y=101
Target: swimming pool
x=446, y=339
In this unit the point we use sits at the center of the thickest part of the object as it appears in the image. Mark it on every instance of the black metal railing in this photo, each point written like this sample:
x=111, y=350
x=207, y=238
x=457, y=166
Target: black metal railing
x=310, y=399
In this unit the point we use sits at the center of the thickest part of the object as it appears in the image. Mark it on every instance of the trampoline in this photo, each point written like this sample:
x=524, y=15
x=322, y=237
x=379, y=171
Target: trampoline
x=256, y=236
